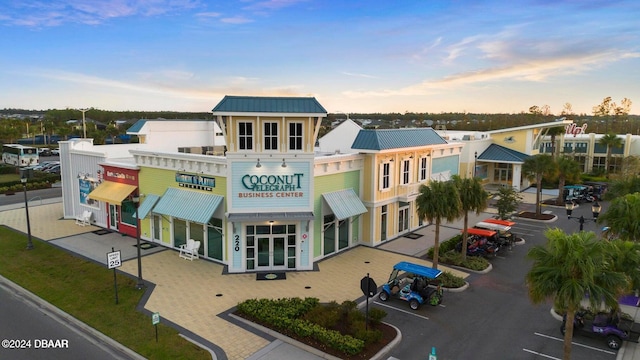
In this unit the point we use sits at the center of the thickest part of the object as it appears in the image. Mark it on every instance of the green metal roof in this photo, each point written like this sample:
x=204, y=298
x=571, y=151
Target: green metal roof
x=344, y=203
x=255, y=104
x=148, y=204
x=396, y=138
x=498, y=153
x=188, y=205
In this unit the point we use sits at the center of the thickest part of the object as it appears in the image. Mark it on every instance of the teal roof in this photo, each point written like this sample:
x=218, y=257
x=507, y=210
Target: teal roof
x=396, y=138
x=255, y=104
x=135, y=128
x=344, y=203
x=148, y=204
x=498, y=153
x=188, y=205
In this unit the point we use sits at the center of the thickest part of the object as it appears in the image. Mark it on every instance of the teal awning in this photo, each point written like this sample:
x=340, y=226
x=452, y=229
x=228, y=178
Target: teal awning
x=188, y=205
x=147, y=204
x=344, y=203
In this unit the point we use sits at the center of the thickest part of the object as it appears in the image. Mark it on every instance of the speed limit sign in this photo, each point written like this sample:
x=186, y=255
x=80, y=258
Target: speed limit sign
x=113, y=259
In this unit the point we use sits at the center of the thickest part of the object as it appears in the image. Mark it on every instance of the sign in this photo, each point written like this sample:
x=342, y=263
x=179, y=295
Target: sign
x=195, y=181
x=574, y=130
x=113, y=259
x=368, y=286
x=155, y=318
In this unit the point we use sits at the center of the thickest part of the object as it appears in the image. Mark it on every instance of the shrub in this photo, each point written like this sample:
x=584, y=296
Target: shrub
x=449, y=280
x=446, y=246
x=454, y=257
x=365, y=333
x=376, y=315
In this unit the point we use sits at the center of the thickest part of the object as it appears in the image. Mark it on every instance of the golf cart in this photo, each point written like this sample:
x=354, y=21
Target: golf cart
x=416, y=284
x=612, y=326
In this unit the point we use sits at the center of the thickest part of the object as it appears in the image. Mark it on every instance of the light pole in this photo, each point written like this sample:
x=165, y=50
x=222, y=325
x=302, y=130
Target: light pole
x=475, y=162
x=84, y=126
x=595, y=210
x=23, y=180
x=136, y=202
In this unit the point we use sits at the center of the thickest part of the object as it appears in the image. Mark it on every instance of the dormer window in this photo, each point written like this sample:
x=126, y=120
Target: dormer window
x=295, y=136
x=245, y=136
x=271, y=136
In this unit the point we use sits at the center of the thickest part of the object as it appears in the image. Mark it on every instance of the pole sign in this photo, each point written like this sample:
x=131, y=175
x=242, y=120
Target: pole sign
x=155, y=318
x=113, y=259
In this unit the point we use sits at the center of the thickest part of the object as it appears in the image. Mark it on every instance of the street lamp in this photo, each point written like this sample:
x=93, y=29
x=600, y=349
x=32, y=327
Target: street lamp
x=475, y=162
x=84, y=126
x=136, y=202
x=595, y=210
x=23, y=180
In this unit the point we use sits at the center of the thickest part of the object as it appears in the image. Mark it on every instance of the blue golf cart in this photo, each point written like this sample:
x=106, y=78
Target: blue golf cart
x=416, y=284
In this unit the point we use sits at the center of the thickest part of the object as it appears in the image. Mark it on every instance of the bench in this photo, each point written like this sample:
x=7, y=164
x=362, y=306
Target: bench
x=189, y=250
x=84, y=219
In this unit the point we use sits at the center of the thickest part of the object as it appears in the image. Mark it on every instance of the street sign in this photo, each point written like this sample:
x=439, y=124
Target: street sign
x=113, y=259
x=155, y=318
x=368, y=286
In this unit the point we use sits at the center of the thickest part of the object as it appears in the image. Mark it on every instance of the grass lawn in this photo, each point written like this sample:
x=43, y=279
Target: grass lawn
x=85, y=290
x=9, y=178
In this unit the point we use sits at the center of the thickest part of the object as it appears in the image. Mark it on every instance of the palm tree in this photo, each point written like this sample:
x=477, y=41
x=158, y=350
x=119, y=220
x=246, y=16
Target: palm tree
x=610, y=140
x=569, y=267
x=438, y=200
x=473, y=197
x=553, y=132
x=623, y=217
x=536, y=167
x=568, y=169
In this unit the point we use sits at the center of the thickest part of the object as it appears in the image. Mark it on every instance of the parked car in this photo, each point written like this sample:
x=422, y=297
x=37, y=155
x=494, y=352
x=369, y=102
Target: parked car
x=46, y=165
x=55, y=152
x=55, y=169
x=44, y=151
x=416, y=284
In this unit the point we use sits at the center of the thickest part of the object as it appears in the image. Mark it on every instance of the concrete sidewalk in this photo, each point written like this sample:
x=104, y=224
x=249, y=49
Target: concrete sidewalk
x=197, y=296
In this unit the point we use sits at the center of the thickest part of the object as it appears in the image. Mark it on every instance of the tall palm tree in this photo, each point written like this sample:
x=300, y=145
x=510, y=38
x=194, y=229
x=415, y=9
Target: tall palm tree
x=567, y=268
x=553, y=133
x=568, y=169
x=473, y=197
x=610, y=140
x=438, y=200
x=623, y=217
x=536, y=167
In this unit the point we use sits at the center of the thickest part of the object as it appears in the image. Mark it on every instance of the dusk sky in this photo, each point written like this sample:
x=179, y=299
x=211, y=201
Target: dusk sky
x=353, y=56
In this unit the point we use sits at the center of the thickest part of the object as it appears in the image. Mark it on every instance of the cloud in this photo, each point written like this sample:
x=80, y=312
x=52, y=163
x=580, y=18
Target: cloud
x=90, y=12
x=236, y=20
x=272, y=5
x=359, y=75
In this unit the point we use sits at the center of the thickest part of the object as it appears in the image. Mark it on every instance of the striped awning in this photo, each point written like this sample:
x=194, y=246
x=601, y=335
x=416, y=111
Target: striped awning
x=344, y=203
x=112, y=192
x=188, y=205
x=147, y=204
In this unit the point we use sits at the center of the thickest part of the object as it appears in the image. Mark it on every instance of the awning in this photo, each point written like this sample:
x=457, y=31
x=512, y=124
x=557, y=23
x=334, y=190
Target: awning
x=147, y=204
x=112, y=192
x=275, y=216
x=344, y=203
x=188, y=205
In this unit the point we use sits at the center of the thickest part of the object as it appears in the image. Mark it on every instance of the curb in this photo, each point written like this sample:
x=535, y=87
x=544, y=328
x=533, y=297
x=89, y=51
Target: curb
x=71, y=322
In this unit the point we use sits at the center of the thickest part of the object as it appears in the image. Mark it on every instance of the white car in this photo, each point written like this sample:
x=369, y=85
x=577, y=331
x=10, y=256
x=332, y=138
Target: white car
x=55, y=152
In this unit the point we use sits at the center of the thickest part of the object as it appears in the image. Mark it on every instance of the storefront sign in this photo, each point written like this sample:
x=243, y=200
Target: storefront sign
x=574, y=130
x=194, y=181
x=119, y=175
x=271, y=185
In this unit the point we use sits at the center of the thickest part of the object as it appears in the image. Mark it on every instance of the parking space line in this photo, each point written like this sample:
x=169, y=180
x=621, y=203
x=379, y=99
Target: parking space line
x=404, y=311
x=541, y=354
x=575, y=343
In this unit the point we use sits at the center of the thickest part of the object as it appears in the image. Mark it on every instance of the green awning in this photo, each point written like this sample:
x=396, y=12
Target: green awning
x=344, y=203
x=147, y=204
x=188, y=205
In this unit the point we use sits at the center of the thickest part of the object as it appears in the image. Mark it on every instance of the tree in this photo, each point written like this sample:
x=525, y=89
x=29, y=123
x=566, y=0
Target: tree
x=568, y=169
x=610, y=140
x=553, y=133
x=567, y=268
x=508, y=201
x=622, y=187
x=623, y=217
x=473, y=197
x=438, y=200
x=536, y=167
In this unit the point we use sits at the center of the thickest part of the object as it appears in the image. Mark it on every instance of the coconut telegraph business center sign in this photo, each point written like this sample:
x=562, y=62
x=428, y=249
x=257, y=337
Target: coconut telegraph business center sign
x=271, y=186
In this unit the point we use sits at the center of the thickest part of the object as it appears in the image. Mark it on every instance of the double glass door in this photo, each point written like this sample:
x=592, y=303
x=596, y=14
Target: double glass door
x=271, y=252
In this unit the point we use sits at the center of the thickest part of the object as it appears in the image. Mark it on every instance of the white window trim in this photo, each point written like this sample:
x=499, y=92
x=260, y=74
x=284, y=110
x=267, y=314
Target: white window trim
x=253, y=135
x=381, y=176
x=423, y=172
x=409, y=172
x=264, y=136
x=289, y=136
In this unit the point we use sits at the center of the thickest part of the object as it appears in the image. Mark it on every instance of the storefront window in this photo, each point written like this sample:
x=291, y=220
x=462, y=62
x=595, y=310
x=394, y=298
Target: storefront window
x=179, y=232
x=383, y=223
x=343, y=233
x=196, y=232
x=329, y=234
x=127, y=213
x=214, y=240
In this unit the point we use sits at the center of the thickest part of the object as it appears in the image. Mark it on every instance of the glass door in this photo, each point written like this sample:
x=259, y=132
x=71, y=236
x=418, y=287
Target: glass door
x=113, y=217
x=263, y=252
x=278, y=251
